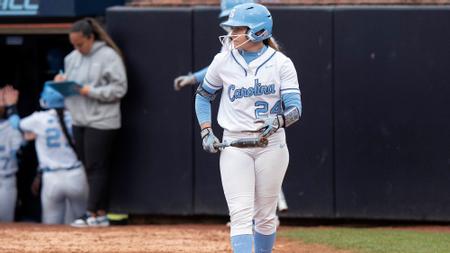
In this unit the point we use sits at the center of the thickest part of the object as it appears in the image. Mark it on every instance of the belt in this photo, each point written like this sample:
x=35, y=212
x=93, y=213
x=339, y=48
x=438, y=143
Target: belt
x=59, y=169
x=8, y=175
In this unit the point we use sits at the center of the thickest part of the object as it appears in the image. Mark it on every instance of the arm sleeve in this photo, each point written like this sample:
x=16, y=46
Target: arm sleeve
x=116, y=88
x=200, y=75
x=292, y=100
x=202, y=109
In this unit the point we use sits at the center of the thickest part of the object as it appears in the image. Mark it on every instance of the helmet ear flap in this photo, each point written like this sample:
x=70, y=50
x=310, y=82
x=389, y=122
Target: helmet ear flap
x=258, y=33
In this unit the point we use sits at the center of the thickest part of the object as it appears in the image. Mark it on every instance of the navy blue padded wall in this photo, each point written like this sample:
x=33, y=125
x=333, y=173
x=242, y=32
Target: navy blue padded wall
x=392, y=112
x=306, y=37
x=153, y=166
x=209, y=197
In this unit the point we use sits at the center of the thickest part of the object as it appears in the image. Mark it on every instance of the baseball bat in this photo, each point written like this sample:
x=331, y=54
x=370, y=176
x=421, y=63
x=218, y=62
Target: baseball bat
x=244, y=143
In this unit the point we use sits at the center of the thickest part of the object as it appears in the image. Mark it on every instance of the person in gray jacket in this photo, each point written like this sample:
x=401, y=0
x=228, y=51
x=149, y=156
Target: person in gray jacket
x=96, y=63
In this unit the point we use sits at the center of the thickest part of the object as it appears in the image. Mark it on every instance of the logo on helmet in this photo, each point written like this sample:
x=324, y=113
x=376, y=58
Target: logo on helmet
x=233, y=11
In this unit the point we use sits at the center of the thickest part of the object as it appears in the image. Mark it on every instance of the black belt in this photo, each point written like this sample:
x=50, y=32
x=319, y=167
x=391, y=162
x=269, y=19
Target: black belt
x=8, y=175
x=59, y=169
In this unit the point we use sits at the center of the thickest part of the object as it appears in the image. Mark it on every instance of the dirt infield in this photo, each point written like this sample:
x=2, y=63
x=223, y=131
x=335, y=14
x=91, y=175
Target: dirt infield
x=145, y=238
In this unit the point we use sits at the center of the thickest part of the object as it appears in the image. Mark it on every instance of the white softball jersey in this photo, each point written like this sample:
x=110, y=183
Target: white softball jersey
x=250, y=91
x=10, y=141
x=52, y=148
x=64, y=185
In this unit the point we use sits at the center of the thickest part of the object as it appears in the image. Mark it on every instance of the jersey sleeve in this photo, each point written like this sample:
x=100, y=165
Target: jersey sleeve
x=31, y=123
x=212, y=82
x=288, y=76
x=16, y=139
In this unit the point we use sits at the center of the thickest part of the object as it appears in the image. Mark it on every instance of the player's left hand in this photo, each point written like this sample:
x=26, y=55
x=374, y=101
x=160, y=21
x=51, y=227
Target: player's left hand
x=29, y=136
x=183, y=81
x=208, y=140
x=36, y=185
x=270, y=125
x=85, y=90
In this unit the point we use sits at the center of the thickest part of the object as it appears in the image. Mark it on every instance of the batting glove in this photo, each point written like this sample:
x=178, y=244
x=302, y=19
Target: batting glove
x=270, y=125
x=182, y=81
x=208, y=140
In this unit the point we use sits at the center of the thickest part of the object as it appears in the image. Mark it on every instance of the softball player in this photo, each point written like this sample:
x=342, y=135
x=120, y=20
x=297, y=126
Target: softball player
x=196, y=78
x=260, y=97
x=64, y=183
x=10, y=141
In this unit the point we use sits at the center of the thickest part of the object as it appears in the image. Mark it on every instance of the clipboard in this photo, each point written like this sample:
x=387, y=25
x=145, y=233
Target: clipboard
x=66, y=88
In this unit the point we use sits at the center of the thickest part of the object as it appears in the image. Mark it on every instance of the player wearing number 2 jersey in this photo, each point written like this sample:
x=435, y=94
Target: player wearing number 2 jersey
x=260, y=97
x=64, y=183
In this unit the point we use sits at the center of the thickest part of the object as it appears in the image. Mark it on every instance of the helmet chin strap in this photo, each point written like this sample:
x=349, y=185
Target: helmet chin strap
x=240, y=45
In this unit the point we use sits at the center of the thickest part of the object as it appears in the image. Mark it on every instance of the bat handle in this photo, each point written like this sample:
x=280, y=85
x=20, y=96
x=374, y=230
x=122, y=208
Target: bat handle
x=221, y=145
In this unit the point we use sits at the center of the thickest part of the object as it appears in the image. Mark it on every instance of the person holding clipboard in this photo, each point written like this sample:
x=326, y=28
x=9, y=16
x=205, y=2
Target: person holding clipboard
x=96, y=72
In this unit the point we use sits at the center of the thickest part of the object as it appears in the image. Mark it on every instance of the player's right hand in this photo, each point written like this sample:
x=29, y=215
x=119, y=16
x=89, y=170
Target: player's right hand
x=36, y=185
x=208, y=140
x=10, y=95
x=270, y=125
x=59, y=78
x=182, y=81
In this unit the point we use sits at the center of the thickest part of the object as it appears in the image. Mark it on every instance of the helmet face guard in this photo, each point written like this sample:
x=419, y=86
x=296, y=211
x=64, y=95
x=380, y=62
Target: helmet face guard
x=50, y=98
x=227, y=41
x=254, y=16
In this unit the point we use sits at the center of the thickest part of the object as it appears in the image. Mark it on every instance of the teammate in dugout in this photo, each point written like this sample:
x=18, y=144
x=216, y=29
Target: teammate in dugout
x=64, y=184
x=10, y=142
x=260, y=98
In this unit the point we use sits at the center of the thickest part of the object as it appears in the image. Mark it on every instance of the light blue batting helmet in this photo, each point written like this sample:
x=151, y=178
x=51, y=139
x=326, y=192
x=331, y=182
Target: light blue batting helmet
x=51, y=98
x=227, y=5
x=254, y=16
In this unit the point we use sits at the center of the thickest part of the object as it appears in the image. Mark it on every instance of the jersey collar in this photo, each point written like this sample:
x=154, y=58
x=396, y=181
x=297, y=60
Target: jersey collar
x=254, y=65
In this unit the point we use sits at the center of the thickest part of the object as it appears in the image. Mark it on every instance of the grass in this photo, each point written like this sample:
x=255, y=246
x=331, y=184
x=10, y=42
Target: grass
x=374, y=240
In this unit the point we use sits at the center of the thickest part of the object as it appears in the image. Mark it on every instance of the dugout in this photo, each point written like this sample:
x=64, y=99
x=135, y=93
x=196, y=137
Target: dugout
x=33, y=43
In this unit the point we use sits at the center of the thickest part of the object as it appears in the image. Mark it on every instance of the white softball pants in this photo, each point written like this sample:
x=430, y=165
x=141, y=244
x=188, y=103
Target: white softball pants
x=251, y=180
x=64, y=193
x=8, y=197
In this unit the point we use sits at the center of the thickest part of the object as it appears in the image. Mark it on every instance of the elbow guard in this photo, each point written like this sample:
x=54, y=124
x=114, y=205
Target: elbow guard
x=202, y=92
x=290, y=116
